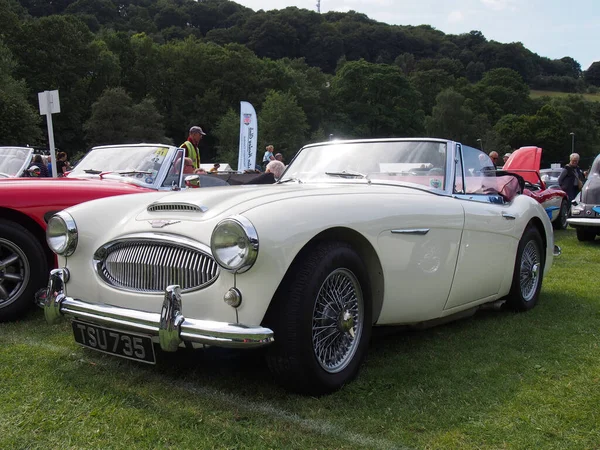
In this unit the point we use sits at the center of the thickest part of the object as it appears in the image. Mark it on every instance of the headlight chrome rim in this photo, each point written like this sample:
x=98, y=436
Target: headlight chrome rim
x=248, y=232
x=70, y=234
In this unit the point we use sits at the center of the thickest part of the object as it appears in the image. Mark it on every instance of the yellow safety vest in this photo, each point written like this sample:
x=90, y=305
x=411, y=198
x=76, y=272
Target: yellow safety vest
x=192, y=153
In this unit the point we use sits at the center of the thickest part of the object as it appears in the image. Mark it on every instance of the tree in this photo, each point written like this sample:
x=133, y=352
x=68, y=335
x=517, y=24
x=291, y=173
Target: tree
x=19, y=121
x=282, y=123
x=227, y=132
x=57, y=52
x=592, y=75
x=116, y=119
x=376, y=100
x=430, y=83
x=111, y=119
x=451, y=118
x=148, y=125
x=500, y=92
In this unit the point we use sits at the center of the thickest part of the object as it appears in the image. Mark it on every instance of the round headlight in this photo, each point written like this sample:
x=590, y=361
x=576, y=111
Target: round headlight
x=61, y=234
x=234, y=244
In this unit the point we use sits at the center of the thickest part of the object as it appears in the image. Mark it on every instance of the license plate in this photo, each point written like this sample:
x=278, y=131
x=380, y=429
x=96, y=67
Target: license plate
x=115, y=342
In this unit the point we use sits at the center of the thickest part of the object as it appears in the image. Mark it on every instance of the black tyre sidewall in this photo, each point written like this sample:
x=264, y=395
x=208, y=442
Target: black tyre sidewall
x=585, y=234
x=559, y=223
x=293, y=324
x=38, y=268
x=515, y=297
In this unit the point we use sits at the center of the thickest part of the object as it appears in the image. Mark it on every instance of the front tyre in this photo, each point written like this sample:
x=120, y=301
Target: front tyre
x=321, y=317
x=528, y=273
x=586, y=234
x=23, y=269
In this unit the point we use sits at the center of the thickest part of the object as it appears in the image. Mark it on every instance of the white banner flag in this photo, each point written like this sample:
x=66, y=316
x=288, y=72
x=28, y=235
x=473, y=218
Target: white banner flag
x=248, y=136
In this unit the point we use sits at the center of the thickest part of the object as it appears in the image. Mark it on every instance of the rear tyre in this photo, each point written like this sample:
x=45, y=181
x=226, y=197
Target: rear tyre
x=586, y=234
x=23, y=270
x=561, y=221
x=528, y=273
x=321, y=316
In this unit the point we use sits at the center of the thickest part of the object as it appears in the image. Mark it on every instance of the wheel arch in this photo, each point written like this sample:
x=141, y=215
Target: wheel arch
x=33, y=227
x=365, y=251
x=539, y=226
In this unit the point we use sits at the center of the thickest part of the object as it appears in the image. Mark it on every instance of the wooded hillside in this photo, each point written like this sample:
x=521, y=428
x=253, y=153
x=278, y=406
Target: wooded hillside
x=146, y=70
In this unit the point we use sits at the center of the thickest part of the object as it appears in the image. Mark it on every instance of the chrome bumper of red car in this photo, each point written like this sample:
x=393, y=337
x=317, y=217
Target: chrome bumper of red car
x=171, y=327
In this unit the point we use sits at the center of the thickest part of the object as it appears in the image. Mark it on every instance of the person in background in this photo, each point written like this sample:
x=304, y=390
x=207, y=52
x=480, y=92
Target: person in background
x=38, y=162
x=494, y=157
x=268, y=156
x=279, y=157
x=191, y=145
x=506, y=156
x=62, y=165
x=49, y=165
x=188, y=165
x=32, y=171
x=272, y=173
x=571, y=178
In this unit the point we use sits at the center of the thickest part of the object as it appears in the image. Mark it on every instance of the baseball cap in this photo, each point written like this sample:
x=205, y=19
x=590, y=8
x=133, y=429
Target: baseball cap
x=197, y=129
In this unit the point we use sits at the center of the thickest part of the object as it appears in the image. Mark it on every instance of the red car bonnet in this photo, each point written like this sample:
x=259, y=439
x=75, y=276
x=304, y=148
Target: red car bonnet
x=525, y=158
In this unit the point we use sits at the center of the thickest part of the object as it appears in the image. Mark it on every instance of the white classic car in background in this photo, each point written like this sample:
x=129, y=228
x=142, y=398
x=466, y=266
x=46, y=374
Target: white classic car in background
x=585, y=212
x=354, y=234
x=14, y=161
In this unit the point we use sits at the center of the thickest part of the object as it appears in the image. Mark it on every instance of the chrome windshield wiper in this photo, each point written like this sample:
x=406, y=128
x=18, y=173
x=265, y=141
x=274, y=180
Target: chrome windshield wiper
x=133, y=172
x=297, y=180
x=346, y=174
x=92, y=171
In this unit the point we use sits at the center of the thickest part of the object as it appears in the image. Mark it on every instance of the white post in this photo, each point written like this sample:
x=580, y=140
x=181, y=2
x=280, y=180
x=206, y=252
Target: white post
x=51, y=142
x=49, y=104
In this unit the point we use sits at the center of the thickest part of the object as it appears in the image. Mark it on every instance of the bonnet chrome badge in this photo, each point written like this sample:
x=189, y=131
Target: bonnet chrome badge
x=162, y=223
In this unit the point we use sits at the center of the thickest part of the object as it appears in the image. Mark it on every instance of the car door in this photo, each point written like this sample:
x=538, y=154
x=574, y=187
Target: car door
x=418, y=246
x=487, y=239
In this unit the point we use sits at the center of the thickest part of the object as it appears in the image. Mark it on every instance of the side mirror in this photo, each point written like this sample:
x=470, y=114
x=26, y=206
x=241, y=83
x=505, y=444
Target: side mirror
x=192, y=181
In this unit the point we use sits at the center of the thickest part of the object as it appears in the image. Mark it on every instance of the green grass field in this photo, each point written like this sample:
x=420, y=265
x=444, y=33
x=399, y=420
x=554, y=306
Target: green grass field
x=537, y=94
x=496, y=380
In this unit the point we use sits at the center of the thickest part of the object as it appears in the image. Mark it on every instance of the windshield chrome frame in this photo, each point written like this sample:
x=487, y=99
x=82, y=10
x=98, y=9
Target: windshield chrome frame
x=451, y=154
x=160, y=176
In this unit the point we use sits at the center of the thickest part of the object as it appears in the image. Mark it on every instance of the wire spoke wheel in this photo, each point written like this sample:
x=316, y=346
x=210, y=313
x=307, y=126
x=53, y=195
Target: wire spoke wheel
x=14, y=272
x=530, y=271
x=338, y=319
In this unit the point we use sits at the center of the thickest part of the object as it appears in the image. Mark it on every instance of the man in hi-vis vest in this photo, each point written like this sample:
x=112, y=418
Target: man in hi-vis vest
x=191, y=145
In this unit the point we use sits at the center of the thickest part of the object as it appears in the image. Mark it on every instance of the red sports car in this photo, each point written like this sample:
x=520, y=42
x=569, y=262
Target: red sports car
x=27, y=203
x=526, y=161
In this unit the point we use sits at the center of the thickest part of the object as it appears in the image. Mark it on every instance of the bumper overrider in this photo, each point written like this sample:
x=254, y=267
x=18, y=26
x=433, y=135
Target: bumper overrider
x=171, y=327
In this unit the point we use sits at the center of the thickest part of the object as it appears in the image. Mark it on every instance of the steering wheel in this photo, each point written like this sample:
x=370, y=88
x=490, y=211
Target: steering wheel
x=436, y=171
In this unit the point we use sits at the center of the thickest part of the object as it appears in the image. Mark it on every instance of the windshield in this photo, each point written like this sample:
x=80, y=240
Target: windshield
x=13, y=160
x=394, y=162
x=141, y=164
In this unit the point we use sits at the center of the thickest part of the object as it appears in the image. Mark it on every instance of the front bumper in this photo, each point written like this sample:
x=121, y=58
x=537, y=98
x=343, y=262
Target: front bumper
x=583, y=222
x=170, y=326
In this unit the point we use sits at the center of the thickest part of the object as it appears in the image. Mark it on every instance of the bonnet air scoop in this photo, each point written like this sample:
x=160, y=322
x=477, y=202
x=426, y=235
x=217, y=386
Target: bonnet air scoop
x=176, y=207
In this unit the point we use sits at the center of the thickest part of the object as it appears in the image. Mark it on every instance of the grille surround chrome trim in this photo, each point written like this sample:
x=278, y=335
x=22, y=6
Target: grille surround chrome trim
x=161, y=250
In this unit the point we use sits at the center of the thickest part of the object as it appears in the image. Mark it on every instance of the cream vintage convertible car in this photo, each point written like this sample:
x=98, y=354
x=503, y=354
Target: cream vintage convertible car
x=355, y=234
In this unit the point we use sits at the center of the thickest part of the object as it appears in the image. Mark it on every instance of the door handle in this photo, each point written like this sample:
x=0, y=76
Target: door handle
x=508, y=216
x=419, y=231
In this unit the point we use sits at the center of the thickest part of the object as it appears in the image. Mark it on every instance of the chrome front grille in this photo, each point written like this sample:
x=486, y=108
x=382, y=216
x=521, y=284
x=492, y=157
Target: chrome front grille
x=149, y=265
